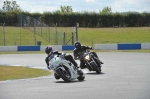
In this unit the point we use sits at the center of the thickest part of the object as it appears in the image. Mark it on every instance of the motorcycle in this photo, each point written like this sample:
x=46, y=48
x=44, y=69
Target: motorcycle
x=65, y=69
x=91, y=61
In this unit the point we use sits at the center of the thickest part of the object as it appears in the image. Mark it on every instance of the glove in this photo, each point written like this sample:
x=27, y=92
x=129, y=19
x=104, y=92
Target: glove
x=75, y=58
x=81, y=57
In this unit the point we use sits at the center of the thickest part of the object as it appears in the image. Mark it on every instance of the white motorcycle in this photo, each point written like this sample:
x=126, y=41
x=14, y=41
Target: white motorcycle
x=64, y=69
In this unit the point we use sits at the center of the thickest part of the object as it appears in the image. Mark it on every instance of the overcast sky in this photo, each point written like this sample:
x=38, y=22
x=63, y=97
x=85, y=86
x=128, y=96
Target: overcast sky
x=83, y=5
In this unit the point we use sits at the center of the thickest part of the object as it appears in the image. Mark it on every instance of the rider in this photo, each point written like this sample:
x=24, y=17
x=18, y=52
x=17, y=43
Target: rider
x=50, y=53
x=79, y=50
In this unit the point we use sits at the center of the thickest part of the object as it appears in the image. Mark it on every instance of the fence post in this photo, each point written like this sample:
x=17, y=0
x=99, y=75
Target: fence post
x=64, y=38
x=4, y=33
x=72, y=38
x=48, y=33
x=41, y=29
x=76, y=31
x=35, y=31
x=56, y=41
x=20, y=27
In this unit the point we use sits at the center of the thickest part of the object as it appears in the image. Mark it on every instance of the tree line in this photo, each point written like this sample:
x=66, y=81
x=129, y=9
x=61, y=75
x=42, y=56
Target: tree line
x=66, y=17
x=92, y=19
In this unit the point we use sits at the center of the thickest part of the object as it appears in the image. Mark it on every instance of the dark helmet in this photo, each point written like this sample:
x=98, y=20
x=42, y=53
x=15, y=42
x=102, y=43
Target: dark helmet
x=48, y=50
x=77, y=44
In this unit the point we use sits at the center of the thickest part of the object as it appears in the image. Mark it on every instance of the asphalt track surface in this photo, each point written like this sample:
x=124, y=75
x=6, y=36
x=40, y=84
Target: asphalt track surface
x=125, y=75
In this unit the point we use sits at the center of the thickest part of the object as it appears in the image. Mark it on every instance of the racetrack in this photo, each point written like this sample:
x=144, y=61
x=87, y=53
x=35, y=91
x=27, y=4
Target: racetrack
x=125, y=75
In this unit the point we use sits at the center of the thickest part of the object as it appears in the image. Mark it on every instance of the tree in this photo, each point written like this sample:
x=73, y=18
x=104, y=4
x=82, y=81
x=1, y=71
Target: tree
x=66, y=9
x=106, y=10
x=11, y=6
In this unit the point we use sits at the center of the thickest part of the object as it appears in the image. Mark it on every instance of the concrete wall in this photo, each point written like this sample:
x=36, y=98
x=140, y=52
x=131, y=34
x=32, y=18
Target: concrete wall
x=35, y=48
x=105, y=46
x=55, y=47
x=145, y=46
x=8, y=48
x=142, y=46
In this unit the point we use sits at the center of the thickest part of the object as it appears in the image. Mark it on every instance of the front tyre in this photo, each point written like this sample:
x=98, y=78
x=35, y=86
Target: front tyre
x=96, y=68
x=65, y=75
x=98, y=71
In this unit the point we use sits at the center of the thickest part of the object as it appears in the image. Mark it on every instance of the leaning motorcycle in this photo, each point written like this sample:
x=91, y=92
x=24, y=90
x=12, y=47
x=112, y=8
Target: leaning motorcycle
x=91, y=61
x=65, y=69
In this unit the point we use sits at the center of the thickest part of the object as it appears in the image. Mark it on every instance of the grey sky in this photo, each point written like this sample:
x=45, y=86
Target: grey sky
x=83, y=5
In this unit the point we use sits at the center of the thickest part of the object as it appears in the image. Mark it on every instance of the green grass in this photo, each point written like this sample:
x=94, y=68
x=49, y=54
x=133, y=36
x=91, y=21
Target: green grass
x=15, y=72
x=19, y=36
x=87, y=36
x=114, y=35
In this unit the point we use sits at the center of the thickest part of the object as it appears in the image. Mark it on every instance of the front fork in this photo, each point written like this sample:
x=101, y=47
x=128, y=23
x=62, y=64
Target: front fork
x=96, y=59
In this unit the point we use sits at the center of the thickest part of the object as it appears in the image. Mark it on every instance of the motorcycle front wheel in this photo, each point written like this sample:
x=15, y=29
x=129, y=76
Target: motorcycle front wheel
x=65, y=75
x=96, y=68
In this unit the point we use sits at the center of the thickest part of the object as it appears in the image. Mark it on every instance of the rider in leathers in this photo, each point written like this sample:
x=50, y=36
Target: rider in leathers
x=79, y=50
x=49, y=51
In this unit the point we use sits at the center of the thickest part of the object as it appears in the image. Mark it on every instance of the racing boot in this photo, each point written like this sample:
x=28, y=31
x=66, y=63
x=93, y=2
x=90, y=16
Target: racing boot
x=79, y=71
x=96, y=57
x=75, y=64
x=99, y=61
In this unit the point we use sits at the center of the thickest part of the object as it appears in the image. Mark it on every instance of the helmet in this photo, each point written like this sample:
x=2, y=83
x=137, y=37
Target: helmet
x=77, y=44
x=48, y=50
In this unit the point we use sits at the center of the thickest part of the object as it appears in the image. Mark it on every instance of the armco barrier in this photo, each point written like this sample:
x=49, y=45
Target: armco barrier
x=143, y=46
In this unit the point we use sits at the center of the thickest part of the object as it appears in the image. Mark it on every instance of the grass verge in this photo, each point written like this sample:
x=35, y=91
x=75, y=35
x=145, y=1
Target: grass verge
x=19, y=72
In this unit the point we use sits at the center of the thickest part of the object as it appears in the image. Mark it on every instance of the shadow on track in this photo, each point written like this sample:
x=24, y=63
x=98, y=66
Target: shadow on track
x=74, y=81
x=94, y=73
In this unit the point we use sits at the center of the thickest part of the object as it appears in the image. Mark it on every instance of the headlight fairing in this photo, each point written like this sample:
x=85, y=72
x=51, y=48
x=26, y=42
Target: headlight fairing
x=87, y=57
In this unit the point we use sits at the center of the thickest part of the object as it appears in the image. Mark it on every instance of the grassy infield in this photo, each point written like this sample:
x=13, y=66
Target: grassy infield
x=88, y=36
x=11, y=72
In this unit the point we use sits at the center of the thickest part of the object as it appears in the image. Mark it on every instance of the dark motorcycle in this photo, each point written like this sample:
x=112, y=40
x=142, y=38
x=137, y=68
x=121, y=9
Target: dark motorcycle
x=91, y=61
